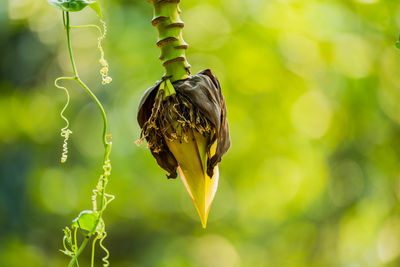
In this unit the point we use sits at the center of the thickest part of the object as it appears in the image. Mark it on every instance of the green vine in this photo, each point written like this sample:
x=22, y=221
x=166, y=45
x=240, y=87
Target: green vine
x=89, y=223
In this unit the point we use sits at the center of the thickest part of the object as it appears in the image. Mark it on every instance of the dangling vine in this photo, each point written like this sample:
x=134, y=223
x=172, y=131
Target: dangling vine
x=89, y=223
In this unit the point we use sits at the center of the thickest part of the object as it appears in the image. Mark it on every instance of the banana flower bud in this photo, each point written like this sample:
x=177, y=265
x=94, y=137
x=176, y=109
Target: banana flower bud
x=186, y=129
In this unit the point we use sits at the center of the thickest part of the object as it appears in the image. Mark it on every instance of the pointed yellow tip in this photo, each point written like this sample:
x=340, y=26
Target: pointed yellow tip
x=204, y=223
x=192, y=159
x=203, y=214
x=202, y=192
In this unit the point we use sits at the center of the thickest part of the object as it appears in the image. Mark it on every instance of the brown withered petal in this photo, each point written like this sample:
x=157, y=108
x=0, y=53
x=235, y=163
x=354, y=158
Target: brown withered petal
x=198, y=104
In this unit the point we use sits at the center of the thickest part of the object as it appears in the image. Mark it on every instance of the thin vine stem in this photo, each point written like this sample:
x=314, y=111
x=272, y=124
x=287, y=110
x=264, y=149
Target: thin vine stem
x=68, y=30
x=80, y=250
x=81, y=83
x=106, y=143
x=99, y=105
x=93, y=250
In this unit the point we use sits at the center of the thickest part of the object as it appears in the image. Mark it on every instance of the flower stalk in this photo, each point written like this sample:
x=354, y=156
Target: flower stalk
x=169, y=25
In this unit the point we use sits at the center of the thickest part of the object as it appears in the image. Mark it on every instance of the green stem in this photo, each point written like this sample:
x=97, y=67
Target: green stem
x=93, y=249
x=80, y=250
x=81, y=83
x=169, y=25
x=71, y=55
x=107, y=144
x=100, y=106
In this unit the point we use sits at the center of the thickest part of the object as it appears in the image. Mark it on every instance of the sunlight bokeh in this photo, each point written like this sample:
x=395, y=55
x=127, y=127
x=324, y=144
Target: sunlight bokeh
x=312, y=178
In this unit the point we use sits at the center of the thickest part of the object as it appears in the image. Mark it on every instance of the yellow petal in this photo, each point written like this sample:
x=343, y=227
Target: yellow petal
x=192, y=160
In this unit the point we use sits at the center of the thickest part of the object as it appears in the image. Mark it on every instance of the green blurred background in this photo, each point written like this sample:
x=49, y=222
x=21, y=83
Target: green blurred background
x=312, y=177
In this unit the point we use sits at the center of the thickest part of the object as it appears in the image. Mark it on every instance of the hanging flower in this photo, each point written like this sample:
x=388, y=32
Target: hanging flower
x=186, y=129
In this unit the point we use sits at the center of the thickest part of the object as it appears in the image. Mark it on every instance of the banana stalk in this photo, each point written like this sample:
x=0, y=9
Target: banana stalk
x=169, y=25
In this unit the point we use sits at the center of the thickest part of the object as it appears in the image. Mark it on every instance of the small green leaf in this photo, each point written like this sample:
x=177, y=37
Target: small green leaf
x=398, y=44
x=86, y=220
x=75, y=5
x=96, y=8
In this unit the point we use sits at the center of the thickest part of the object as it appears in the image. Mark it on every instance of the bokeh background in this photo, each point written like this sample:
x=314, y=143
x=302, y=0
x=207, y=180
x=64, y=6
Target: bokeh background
x=313, y=95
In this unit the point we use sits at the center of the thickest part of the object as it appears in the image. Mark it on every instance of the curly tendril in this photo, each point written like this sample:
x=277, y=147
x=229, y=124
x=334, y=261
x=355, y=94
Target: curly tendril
x=105, y=78
x=104, y=71
x=99, y=192
x=65, y=132
x=105, y=258
x=102, y=183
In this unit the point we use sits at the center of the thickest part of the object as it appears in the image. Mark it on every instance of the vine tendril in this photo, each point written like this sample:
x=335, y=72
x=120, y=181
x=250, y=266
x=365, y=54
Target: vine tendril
x=65, y=132
x=105, y=258
x=105, y=78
